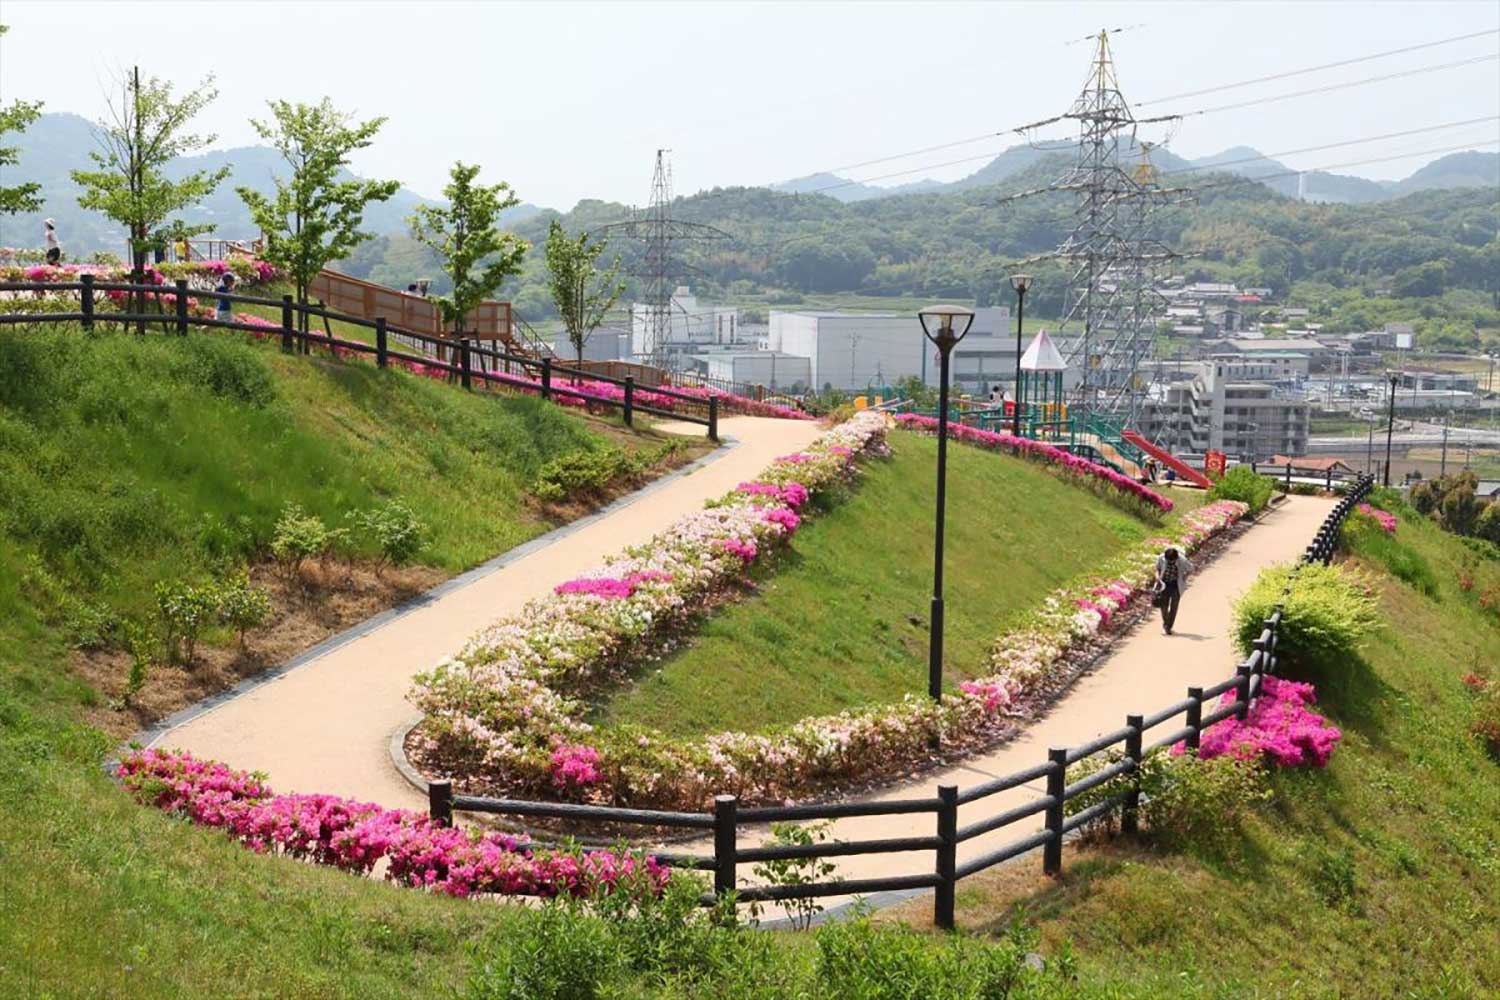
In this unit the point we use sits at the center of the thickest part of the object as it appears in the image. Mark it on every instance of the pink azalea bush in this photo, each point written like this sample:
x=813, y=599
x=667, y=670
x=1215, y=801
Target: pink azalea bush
x=1067, y=462
x=1279, y=728
x=202, y=275
x=353, y=836
x=1387, y=521
x=498, y=713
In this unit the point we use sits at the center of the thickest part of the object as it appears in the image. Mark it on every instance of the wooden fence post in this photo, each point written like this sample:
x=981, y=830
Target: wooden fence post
x=440, y=802
x=181, y=306
x=1288, y=476
x=1130, y=811
x=382, y=353
x=88, y=300
x=947, y=857
x=713, y=418
x=629, y=414
x=726, y=843
x=1195, y=718
x=546, y=378
x=1057, y=781
x=1242, y=690
x=463, y=362
x=286, y=323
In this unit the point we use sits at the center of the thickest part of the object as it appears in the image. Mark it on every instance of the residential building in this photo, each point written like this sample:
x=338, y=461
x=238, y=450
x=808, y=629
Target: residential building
x=1461, y=381
x=1267, y=366
x=1218, y=407
x=1317, y=353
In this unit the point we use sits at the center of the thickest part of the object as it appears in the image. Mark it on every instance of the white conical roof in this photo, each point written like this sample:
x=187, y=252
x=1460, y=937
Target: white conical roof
x=1042, y=355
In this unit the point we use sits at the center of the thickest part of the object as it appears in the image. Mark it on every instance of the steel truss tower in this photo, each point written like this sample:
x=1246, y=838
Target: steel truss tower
x=1113, y=264
x=658, y=267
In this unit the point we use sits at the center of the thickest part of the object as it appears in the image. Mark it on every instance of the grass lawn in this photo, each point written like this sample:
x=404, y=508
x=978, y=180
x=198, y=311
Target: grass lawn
x=841, y=618
x=1379, y=876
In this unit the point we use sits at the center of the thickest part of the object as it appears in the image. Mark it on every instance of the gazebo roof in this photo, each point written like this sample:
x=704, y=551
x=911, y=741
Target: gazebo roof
x=1042, y=355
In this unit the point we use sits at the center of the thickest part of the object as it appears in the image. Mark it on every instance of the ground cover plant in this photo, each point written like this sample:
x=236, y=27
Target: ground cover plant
x=1368, y=877
x=509, y=714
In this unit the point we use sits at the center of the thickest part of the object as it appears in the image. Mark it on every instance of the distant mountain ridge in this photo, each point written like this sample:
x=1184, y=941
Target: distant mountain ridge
x=56, y=144
x=1473, y=168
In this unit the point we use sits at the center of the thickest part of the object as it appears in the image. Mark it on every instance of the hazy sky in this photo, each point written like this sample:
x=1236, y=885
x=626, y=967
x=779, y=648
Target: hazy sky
x=570, y=100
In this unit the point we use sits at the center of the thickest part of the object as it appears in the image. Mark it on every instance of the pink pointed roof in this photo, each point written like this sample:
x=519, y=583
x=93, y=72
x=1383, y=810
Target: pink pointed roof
x=1042, y=355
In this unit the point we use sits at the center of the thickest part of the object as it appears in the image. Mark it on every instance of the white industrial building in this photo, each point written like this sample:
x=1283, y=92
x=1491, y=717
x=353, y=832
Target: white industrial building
x=689, y=324
x=772, y=369
x=853, y=351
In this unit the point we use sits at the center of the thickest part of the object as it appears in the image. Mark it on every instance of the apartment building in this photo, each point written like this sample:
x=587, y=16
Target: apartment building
x=1218, y=405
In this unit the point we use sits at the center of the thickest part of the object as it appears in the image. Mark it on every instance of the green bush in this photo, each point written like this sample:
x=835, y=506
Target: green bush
x=184, y=610
x=558, y=953
x=584, y=473
x=1326, y=615
x=1241, y=484
x=394, y=530
x=1487, y=524
x=243, y=606
x=299, y=536
x=140, y=642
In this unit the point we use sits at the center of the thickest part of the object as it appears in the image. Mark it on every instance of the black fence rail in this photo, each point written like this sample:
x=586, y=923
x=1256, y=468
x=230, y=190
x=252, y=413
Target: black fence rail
x=1201, y=709
x=460, y=358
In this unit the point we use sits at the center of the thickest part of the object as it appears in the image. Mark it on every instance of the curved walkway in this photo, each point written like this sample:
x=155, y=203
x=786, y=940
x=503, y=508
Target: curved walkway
x=1146, y=672
x=325, y=725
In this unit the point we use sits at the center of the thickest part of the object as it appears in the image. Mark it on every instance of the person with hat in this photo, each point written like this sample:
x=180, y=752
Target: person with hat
x=54, y=248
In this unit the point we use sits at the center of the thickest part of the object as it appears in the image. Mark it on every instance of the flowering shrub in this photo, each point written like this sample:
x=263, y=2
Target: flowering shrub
x=1279, y=728
x=1386, y=521
x=733, y=403
x=497, y=714
x=202, y=274
x=1073, y=465
x=353, y=836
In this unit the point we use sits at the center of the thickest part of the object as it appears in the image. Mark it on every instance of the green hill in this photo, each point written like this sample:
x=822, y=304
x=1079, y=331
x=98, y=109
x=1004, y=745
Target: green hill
x=1379, y=876
x=841, y=619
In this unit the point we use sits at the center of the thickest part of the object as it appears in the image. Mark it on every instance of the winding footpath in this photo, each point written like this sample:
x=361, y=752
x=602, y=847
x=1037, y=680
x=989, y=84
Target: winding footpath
x=326, y=725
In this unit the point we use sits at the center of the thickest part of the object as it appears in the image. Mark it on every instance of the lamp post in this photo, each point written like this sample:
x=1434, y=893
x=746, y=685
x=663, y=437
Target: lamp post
x=1390, y=425
x=945, y=326
x=1020, y=282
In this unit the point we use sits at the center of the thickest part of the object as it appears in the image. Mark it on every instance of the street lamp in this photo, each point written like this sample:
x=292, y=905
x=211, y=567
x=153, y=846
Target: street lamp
x=1390, y=425
x=1020, y=282
x=945, y=326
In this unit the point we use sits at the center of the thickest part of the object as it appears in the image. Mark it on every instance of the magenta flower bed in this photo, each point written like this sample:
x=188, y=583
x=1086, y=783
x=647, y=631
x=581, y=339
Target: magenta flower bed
x=352, y=836
x=1386, y=520
x=1279, y=728
x=1042, y=452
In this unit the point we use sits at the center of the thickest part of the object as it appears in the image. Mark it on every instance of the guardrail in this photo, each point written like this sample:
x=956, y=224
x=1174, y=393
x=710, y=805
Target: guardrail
x=728, y=819
x=472, y=363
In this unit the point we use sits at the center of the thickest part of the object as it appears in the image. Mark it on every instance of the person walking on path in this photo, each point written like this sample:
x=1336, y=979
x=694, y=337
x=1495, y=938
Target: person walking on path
x=54, y=248
x=1172, y=571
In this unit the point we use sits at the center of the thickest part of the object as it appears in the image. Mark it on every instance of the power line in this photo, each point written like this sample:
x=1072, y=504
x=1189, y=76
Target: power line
x=1317, y=69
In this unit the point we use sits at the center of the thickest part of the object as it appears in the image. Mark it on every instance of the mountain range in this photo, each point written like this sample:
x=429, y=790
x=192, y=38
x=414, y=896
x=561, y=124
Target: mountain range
x=1466, y=169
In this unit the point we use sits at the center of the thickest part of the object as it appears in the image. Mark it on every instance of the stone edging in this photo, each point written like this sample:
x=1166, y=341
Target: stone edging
x=153, y=733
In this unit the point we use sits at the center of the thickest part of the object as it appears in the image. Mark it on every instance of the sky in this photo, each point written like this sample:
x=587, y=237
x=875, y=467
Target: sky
x=571, y=100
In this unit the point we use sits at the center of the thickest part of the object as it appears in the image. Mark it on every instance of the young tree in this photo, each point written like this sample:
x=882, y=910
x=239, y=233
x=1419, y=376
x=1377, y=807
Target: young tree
x=143, y=132
x=465, y=233
x=582, y=292
x=15, y=118
x=315, y=215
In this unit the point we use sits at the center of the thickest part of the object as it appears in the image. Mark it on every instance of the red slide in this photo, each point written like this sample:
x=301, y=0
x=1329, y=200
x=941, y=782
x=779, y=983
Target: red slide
x=1171, y=461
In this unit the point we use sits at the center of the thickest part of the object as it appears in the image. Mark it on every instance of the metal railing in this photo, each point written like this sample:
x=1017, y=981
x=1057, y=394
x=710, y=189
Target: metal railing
x=728, y=819
x=469, y=364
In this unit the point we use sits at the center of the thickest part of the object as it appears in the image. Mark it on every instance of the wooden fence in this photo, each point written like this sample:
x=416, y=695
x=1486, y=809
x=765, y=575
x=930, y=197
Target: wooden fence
x=728, y=820
x=470, y=364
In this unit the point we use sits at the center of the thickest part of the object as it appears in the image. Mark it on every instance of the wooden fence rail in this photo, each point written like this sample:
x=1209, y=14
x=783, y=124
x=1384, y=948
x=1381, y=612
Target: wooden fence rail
x=728, y=820
x=472, y=363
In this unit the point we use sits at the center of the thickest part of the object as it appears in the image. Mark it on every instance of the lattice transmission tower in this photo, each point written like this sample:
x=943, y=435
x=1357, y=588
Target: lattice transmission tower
x=658, y=267
x=1113, y=263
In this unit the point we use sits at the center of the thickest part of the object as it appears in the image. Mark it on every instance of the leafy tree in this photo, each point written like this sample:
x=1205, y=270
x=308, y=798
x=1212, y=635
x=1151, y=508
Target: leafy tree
x=582, y=292
x=15, y=118
x=314, y=216
x=144, y=131
x=465, y=233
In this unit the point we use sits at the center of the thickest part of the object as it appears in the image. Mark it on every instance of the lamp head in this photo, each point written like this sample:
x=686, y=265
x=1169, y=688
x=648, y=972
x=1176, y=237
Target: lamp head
x=1020, y=282
x=946, y=325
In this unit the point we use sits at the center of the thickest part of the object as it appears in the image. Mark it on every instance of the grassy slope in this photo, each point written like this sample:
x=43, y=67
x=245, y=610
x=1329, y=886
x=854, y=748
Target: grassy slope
x=1410, y=806
x=832, y=623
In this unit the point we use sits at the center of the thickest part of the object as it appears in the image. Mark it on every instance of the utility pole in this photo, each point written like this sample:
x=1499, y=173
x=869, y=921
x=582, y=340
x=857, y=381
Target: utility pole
x=1390, y=428
x=1443, y=464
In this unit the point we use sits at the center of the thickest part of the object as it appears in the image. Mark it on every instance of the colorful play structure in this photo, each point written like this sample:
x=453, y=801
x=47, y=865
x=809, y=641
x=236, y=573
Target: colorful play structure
x=1047, y=416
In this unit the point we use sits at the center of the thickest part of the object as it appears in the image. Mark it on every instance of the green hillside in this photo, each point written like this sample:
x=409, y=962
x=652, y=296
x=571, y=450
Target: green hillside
x=1379, y=876
x=841, y=619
